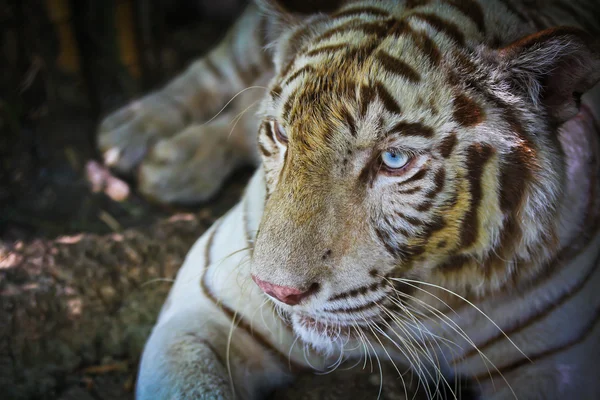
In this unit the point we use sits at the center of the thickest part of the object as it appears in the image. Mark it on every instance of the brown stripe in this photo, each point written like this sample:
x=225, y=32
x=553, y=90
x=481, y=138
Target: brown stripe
x=416, y=177
x=397, y=67
x=303, y=70
x=423, y=207
x=432, y=227
x=411, y=220
x=477, y=157
x=423, y=42
x=472, y=9
x=517, y=167
x=580, y=338
x=439, y=180
x=508, y=4
x=237, y=319
x=366, y=306
x=276, y=92
x=389, y=102
x=358, y=291
x=455, y=263
x=467, y=66
x=385, y=240
x=287, y=106
x=269, y=131
x=581, y=240
x=294, y=44
x=264, y=150
x=467, y=112
x=541, y=314
x=210, y=65
x=209, y=243
x=515, y=175
x=372, y=11
x=367, y=95
x=448, y=28
x=411, y=129
x=410, y=191
x=447, y=145
x=416, y=3
x=349, y=120
x=368, y=28
x=429, y=48
x=331, y=49
x=397, y=229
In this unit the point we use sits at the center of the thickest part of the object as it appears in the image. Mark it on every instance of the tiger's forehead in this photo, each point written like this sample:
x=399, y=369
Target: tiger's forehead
x=343, y=86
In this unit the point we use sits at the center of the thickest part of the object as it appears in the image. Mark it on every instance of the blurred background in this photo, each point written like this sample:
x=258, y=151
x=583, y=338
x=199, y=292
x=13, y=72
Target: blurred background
x=86, y=263
x=67, y=63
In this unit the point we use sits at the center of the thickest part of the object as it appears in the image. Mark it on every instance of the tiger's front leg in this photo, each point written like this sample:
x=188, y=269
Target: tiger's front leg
x=195, y=356
x=175, y=118
x=216, y=334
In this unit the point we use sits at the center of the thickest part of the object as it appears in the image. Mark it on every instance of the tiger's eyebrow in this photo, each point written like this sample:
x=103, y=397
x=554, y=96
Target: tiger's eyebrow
x=411, y=129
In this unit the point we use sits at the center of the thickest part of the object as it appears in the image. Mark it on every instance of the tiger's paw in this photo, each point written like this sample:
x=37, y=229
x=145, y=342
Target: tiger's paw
x=126, y=136
x=190, y=166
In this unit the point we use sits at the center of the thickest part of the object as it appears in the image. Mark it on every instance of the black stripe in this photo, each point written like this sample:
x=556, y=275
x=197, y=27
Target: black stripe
x=238, y=320
x=397, y=67
x=471, y=9
x=416, y=177
x=264, y=150
x=369, y=28
x=358, y=291
x=367, y=95
x=349, y=120
x=276, y=92
x=410, y=191
x=303, y=70
x=411, y=220
x=269, y=131
x=440, y=180
x=411, y=129
x=330, y=49
x=372, y=11
x=477, y=157
x=389, y=102
x=210, y=65
x=448, y=28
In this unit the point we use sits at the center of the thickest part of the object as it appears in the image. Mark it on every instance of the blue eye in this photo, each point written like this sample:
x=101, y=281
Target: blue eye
x=394, y=159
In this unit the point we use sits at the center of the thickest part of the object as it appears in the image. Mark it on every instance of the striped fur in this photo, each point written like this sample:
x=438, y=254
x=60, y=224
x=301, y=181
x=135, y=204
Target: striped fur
x=477, y=259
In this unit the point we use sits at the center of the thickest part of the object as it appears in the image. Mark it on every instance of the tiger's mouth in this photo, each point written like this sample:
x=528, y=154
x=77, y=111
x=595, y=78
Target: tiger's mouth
x=331, y=331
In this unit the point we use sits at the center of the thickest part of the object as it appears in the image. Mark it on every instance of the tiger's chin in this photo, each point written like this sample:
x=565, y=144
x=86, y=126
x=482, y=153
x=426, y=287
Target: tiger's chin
x=327, y=337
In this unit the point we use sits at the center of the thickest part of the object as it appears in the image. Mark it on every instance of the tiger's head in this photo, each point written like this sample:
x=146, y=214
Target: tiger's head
x=402, y=146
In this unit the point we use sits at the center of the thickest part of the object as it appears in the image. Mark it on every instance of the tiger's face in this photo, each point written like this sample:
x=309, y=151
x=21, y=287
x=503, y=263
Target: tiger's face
x=393, y=158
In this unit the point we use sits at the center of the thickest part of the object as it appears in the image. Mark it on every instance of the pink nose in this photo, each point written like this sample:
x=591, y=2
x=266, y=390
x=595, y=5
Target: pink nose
x=288, y=295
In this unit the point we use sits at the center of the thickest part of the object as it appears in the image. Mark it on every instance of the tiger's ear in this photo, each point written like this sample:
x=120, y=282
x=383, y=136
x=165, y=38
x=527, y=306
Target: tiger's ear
x=553, y=68
x=299, y=7
x=285, y=16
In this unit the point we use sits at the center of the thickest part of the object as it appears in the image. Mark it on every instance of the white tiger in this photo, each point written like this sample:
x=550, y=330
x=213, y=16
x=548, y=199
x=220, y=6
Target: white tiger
x=427, y=194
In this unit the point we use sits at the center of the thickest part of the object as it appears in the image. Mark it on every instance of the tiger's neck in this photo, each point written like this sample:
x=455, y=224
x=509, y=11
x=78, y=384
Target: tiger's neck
x=579, y=211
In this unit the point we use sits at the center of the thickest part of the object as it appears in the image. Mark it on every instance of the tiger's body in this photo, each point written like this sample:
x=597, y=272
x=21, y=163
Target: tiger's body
x=427, y=194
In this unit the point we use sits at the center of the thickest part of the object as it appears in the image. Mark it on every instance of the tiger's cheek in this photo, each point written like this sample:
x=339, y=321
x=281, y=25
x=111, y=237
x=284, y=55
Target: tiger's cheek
x=445, y=240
